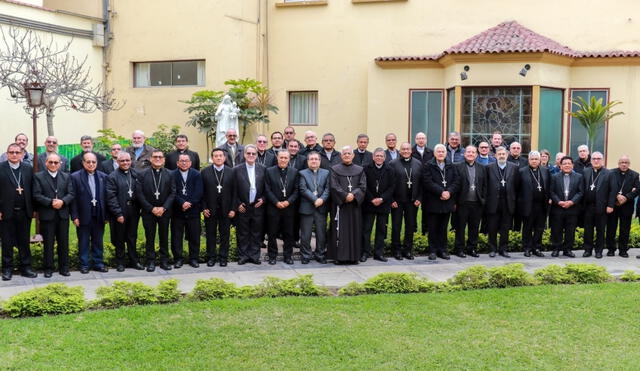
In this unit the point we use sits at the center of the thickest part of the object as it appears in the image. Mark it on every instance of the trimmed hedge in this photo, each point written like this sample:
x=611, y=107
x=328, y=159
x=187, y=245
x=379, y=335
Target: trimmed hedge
x=56, y=298
x=123, y=293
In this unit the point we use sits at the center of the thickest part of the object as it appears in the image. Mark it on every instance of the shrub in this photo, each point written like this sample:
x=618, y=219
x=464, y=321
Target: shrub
x=352, y=289
x=510, y=275
x=167, y=291
x=587, y=273
x=214, y=288
x=299, y=286
x=553, y=275
x=630, y=276
x=394, y=283
x=122, y=293
x=56, y=298
x=475, y=277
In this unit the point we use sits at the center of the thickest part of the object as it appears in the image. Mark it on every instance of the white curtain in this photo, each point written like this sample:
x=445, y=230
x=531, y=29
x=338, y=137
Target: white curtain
x=303, y=108
x=143, y=75
x=201, y=77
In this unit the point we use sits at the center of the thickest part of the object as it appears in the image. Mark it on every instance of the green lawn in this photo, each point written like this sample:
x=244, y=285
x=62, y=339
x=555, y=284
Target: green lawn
x=545, y=327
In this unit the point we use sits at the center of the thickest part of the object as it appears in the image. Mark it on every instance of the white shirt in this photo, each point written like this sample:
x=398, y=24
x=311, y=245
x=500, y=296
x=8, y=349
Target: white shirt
x=251, y=171
x=53, y=174
x=219, y=168
x=14, y=166
x=328, y=154
x=420, y=149
x=184, y=175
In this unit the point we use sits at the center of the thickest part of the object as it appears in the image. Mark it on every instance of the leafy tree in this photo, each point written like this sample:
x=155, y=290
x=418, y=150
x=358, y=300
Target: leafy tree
x=164, y=138
x=102, y=143
x=202, y=108
x=592, y=115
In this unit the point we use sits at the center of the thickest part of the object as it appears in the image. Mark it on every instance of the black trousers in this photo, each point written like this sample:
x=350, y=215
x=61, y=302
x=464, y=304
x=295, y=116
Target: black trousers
x=150, y=222
x=249, y=232
x=407, y=212
x=217, y=226
x=124, y=238
x=624, y=221
x=381, y=220
x=499, y=222
x=185, y=227
x=56, y=230
x=438, y=225
x=594, y=220
x=280, y=221
x=533, y=227
x=425, y=226
x=563, y=229
x=469, y=215
x=15, y=233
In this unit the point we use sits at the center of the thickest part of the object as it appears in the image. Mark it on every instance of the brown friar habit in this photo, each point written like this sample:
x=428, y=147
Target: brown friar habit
x=346, y=221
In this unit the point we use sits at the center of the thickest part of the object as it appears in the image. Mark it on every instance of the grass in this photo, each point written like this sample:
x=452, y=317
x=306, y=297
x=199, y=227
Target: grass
x=545, y=327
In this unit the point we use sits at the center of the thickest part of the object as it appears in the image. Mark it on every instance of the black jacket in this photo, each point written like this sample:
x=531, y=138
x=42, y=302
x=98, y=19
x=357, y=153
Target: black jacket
x=44, y=192
x=8, y=189
x=433, y=187
x=427, y=154
x=118, y=183
x=362, y=159
x=527, y=186
x=106, y=166
x=211, y=197
x=191, y=193
x=145, y=190
x=298, y=162
x=629, y=189
x=268, y=159
x=602, y=188
x=400, y=193
x=494, y=184
x=381, y=186
x=576, y=191
x=521, y=161
x=305, y=149
x=242, y=185
x=325, y=163
x=76, y=162
x=480, y=182
x=273, y=188
x=171, y=162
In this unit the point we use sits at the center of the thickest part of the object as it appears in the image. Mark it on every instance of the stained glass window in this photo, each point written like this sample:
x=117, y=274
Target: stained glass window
x=504, y=109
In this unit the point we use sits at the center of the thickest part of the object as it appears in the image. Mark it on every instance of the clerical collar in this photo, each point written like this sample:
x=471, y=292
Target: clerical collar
x=219, y=168
x=379, y=166
x=502, y=165
x=124, y=171
x=52, y=173
x=440, y=164
x=90, y=174
x=419, y=148
x=250, y=166
x=595, y=170
x=566, y=174
x=14, y=166
x=314, y=170
x=407, y=159
x=533, y=168
x=328, y=151
x=470, y=164
x=361, y=151
x=481, y=156
x=184, y=172
x=157, y=170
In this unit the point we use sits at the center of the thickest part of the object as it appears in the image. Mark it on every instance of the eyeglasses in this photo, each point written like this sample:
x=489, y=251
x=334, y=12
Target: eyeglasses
x=184, y=161
x=251, y=153
x=53, y=162
x=14, y=152
x=288, y=132
x=52, y=142
x=90, y=162
x=157, y=156
x=484, y=147
x=328, y=140
x=231, y=136
x=261, y=141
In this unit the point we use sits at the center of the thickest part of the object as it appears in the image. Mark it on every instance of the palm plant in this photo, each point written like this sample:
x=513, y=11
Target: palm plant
x=592, y=115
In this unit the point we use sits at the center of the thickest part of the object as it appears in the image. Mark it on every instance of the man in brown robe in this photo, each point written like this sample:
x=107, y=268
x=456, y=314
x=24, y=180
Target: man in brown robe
x=348, y=186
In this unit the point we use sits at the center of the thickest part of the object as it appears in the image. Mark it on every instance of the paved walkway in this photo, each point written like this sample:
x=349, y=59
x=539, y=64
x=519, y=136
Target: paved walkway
x=326, y=275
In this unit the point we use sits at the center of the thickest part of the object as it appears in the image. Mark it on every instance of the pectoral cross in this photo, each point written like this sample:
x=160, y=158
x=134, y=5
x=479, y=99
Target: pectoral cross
x=157, y=194
x=349, y=186
x=19, y=189
x=130, y=192
x=539, y=188
x=619, y=192
x=315, y=193
x=591, y=187
x=184, y=191
x=94, y=202
x=566, y=193
x=219, y=188
x=473, y=187
x=444, y=183
x=409, y=183
x=284, y=192
x=503, y=182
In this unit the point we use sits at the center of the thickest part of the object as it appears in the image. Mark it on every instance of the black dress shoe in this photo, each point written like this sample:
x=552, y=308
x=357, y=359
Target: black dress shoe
x=432, y=256
x=177, y=265
x=272, y=262
x=65, y=273
x=288, y=261
x=492, y=254
x=555, y=253
x=611, y=253
x=504, y=254
x=166, y=266
x=120, y=268
x=102, y=269
x=243, y=261
x=211, y=262
x=137, y=266
x=461, y=254
x=527, y=254
x=599, y=255
x=151, y=267
x=223, y=263
x=47, y=274
x=569, y=254
x=443, y=255
x=588, y=253
x=194, y=263
x=538, y=253
x=398, y=256
x=27, y=272
x=255, y=261
x=623, y=254
x=363, y=258
x=304, y=261
x=322, y=260
x=84, y=270
x=408, y=256
x=474, y=254
x=380, y=258
x=7, y=274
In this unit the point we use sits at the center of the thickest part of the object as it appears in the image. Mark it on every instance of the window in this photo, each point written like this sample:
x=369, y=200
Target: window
x=177, y=73
x=451, y=110
x=550, y=119
x=303, y=108
x=506, y=109
x=578, y=134
x=426, y=114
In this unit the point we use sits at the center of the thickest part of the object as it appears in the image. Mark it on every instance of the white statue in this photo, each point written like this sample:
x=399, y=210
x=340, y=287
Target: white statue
x=227, y=118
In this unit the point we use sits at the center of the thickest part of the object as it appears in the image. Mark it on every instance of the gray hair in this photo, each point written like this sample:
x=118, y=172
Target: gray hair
x=379, y=149
x=513, y=143
x=123, y=154
x=438, y=146
x=500, y=148
x=86, y=137
x=347, y=149
x=583, y=146
x=534, y=154
x=139, y=132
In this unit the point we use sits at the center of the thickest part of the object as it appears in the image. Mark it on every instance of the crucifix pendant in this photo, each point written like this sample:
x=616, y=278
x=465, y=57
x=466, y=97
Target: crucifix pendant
x=473, y=187
x=619, y=192
x=539, y=188
x=19, y=189
x=444, y=183
x=284, y=192
x=566, y=193
x=409, y=183
x=219, y=188
x=591, y=187
x=130, y=192
x=503, y=182
x=157, y=194
x=315, y=193
x=184, y=191
x=94, y=202
x=350, y=187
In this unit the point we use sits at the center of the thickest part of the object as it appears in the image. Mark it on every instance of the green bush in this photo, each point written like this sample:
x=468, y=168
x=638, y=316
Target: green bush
x=122, y=293
x=56, y=298
x=629, y=276
x=553, y=275
x=167, y=291
x=214, y=288
x=352, y=289
x=475, y=277
x=510, y=275
x=394, y=283
x=299, y=286
x=587, y=273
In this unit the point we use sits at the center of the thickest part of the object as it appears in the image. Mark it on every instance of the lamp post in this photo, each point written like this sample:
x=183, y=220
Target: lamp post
x=34, y=93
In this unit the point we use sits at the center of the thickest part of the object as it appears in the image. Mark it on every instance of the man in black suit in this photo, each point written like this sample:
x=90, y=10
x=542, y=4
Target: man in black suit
x=156, y=192
x=533, y=203
x=391, y=153
x=281, y=190
x=86, y=142
x=16, y=211
x=290, y=136
x=440, y=185
x=234, y=149
x=277, y=143
x=597, y=203
x=124, y=212
x=185, y=218
x=109, y=165
x=311, y=141
x=361, y=156
x=567, y=190
x=89, y=213
x=500, y=205
x=584, y=159
x=314, y=193
x=407, y=196
x=53, y=193
x=296, y=160
x=182, y=147
x=469, y=202
x=424, y=154
x=248, y=200
x=515, y=155
x=377, y=204
x=330, y=156
x=265, y=158
x=625, y=186
x=51, y=146
x=218, y=185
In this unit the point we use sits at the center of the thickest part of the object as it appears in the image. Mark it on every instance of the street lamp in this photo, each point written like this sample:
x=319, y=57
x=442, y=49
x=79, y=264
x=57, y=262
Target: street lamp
x=34, y=93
